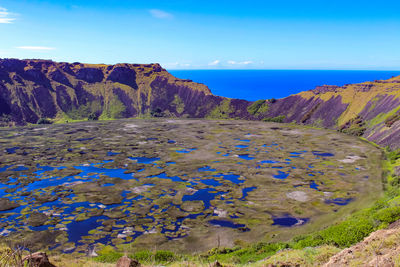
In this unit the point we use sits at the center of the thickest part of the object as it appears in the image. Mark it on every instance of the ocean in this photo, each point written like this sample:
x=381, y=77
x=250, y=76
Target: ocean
x=264, y=84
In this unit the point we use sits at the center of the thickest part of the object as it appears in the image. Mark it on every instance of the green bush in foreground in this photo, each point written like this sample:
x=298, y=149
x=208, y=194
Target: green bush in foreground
x=108, y=255
x=163, y=256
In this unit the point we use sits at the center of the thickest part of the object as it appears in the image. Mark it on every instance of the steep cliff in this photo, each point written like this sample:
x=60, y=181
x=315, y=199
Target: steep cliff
x=370, y=110
x=34, y=89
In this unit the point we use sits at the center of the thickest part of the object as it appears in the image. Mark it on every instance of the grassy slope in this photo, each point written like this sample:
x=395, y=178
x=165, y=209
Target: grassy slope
x=357, y=98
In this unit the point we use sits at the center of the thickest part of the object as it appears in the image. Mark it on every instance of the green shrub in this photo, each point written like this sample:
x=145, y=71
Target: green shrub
x=222, y=111
x=44, y=121
x=307, y=241
x=349, y=232
x=108, y=254
x=355, y=130
x=164, y=256
x=143, y=256
x=258, y=107
x=279, y=119
x=90, y=109
x=93, y=116
x=393, y=156
x=388, y=215
x=114, y=109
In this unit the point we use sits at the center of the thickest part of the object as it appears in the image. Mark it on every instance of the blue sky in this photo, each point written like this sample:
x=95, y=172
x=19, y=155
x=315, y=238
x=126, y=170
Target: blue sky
x=285, y=34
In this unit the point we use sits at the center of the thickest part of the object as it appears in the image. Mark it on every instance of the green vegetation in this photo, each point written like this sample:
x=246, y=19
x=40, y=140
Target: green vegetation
x=179, y=104
x=319, y=246
x=345, y=233
x=313, y=248
x=221, y=111
x=355, y=126
x=44, y=121
x=88, y=111
x=109, y=255
x=258, y=107
x=279, y=119
x=388, y=118
x=392, y=119
x=114, y=109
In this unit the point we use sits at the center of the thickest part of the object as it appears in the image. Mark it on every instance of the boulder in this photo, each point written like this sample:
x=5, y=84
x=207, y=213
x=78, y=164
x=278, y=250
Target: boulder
x=127, y=262
x=216, y=264
x=38, y=259
x=37, y=219
x=6, y=204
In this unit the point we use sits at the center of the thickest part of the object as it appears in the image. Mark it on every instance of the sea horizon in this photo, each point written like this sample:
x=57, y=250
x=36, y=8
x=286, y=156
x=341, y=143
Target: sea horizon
x=255, y=84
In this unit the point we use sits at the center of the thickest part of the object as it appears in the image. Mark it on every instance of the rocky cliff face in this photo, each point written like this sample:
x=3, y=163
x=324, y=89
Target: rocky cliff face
x=370, y=110
x=34, y=89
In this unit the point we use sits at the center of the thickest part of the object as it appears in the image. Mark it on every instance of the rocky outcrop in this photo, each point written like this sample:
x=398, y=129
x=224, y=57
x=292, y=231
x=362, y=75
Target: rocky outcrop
x=6, y=204
x=38, y=259
x=34, y=89
x=381, y=248
x=127, y=262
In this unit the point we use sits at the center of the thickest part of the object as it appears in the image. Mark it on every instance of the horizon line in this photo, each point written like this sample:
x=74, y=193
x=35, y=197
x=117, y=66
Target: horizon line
x=196, y=69
x=397, y=70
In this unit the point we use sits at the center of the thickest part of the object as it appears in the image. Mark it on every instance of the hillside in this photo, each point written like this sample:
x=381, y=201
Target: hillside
x=369, y=109
x=34, y=89
x=40, y=89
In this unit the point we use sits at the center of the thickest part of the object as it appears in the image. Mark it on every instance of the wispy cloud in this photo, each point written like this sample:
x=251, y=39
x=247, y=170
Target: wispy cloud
x=36, y=48
x=214, y=63
x=5, y=16
x=160, y=14
x=232, y=62
x=173, y=65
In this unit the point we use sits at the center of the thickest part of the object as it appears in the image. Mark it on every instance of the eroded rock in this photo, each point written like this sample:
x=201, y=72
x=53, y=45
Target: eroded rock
x=125, y=261
x=38, y=259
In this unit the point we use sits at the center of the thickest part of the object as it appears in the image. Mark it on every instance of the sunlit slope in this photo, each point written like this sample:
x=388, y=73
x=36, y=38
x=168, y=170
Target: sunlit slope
x=59, y=91
x=369, y=109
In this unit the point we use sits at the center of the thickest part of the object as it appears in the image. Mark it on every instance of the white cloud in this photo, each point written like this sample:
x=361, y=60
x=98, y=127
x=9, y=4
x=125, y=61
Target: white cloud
x=160, y=14
x=214, y=63
x=173, y=65
x=5, y=16
x=232, y=62
x=36, y=48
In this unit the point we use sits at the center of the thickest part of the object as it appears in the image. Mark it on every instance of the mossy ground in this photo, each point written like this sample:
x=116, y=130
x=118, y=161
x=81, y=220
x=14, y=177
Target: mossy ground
x=135, y=205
